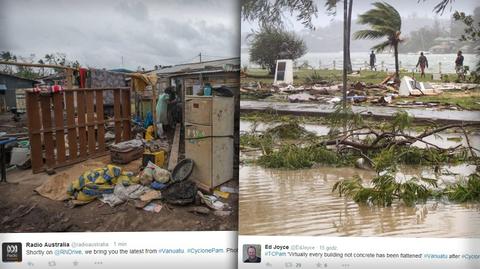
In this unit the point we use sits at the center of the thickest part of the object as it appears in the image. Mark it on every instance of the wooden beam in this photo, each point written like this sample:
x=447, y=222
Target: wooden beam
x=173, y=160
x=154, y=109
x=38, y=65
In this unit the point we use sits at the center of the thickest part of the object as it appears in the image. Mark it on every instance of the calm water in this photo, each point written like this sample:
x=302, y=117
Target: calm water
x=300, y=202
x=407, y=61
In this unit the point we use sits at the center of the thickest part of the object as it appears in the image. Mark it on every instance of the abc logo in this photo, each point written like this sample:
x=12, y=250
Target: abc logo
x=12, y=249
x=11, y=252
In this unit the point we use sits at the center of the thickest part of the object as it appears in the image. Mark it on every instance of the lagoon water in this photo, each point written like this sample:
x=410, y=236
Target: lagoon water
x=301, y=202
x=360, y=59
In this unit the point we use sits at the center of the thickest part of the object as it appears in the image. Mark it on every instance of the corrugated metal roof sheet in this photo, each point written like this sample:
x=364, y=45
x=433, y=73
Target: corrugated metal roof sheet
x=15, y=76
x=223, y=65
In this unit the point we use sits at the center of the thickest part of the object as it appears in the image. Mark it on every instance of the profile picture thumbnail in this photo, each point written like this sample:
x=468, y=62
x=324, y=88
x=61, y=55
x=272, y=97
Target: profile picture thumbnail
x=252, y=253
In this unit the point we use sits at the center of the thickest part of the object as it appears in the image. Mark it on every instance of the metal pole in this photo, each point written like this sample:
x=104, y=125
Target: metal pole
x=345, y=32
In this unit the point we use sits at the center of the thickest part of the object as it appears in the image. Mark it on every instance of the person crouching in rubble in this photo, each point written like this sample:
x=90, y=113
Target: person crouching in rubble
x=162, y=113
x=423, y=62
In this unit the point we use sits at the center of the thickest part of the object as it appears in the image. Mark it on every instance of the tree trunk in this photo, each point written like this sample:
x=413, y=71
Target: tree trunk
x=345, y=32
x=395, y=50
x=349, y=22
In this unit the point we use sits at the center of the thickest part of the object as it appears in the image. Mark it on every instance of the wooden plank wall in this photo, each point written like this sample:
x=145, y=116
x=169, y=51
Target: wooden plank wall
x=69, y=127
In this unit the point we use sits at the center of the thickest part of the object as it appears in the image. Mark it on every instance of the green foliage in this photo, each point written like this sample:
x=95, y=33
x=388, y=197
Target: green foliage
x=314, y=78
x=389, y=158
x=471, y=34
x=296, y=157
x=269, y=13
x=466, y=190
x=385, y=159
x=263, y=142
x=270, y=44
x=385, y=190
x=401, y=121
x=385, y=22
x=472, y=30
x=31, y=72
x=344, y=118
x=289, y=130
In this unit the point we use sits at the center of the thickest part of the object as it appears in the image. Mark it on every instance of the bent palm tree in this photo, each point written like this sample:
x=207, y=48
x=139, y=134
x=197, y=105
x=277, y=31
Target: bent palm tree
x=385, y=21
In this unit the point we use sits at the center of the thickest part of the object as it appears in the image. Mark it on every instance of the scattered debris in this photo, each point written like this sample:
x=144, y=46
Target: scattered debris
x=221, y=194
x=199, y=209
x=212, y=201
x=127, y=151
x=153, y=207
x=96, y=182
x=180, y=193
x=222, y=213
x=409, y=86
x=301, y=97
x=55, y=188
x=228, y=189
x=153, y=172
x=122, y=194
x=151, y=195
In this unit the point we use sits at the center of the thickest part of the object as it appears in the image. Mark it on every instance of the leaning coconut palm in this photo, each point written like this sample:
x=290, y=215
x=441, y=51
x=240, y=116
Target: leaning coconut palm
x=385, y=21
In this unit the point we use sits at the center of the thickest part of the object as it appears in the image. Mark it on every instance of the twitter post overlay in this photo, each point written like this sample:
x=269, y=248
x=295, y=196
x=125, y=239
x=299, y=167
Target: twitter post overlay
x=357, y=252
x=119, y=250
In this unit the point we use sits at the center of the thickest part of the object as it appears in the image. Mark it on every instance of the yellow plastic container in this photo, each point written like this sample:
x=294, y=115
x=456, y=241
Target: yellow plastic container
x=158, y=158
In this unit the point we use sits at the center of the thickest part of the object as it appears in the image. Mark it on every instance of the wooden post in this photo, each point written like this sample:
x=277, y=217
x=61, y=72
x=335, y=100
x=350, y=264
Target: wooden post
x=173, y=158
x=154, y=109
x=69, y=78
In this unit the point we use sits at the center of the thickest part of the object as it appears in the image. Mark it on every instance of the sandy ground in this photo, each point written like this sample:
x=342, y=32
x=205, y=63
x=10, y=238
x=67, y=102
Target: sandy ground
x=24, y=210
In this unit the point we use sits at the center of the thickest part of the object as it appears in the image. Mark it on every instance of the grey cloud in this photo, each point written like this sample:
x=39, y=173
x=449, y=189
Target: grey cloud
x=99, y=33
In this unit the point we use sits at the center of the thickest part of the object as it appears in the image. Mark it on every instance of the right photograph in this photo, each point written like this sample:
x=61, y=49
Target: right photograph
x=359, y=118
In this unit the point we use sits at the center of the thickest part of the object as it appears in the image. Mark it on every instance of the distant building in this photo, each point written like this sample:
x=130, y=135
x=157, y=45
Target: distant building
x=11, y=87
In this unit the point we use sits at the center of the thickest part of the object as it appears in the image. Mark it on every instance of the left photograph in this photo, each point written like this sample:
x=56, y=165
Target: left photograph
x=119, y=116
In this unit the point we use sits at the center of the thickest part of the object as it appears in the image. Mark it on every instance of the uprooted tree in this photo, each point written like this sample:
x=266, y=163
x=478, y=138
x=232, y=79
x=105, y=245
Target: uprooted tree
x=381, y=146
x=271, y=43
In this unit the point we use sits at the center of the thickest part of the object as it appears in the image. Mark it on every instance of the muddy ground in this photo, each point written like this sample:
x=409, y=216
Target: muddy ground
x=24, y=210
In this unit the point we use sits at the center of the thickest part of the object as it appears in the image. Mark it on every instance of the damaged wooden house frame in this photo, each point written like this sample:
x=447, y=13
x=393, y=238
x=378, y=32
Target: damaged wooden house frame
x=68, y=126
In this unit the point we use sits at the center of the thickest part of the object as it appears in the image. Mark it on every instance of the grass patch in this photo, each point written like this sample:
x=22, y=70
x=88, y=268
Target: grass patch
x=335, y=76
x=470, y=100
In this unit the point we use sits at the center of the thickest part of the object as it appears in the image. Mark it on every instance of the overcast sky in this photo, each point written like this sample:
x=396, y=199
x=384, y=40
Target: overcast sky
x=406, y=8
x=98, y=33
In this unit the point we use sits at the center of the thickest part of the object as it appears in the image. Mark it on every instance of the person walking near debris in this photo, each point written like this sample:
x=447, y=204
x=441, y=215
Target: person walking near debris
x=459, y=65
x=423, y=62
x=373, y=60
x=162, y=113
x=172, y=106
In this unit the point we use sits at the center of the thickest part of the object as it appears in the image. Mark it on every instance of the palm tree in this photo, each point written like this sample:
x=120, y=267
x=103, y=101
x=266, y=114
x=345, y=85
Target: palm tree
x=385, y=21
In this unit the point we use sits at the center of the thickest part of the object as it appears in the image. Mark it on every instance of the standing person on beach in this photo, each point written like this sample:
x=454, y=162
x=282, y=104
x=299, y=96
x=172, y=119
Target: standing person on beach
x=423, y=62
x=373, y=60
x=459, y=65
